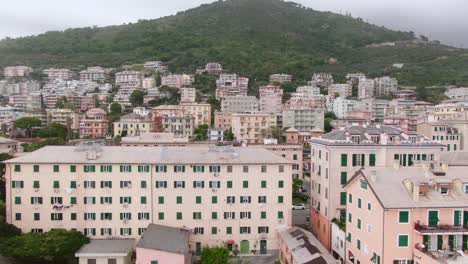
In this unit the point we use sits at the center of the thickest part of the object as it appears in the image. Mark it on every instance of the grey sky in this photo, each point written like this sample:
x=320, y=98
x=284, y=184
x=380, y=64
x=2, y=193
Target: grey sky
x=444, y=20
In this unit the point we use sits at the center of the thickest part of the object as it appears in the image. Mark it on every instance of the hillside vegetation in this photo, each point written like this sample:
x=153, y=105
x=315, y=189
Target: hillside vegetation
x=254, y=38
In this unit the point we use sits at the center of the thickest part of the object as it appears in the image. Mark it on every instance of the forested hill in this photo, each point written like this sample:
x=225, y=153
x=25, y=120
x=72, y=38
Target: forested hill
x=252, y=37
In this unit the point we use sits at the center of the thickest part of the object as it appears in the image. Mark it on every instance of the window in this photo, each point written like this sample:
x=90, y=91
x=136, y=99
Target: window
x=198, y=184
x=263, y=184
x=91, y=261
x=55, y=200
x=443, y=190
x=350, y=198
x=141, y=230
x=280, y=199
x=56, y=216
x=125, y=168
x=126, y=216
x=280, y=184
x=214, y=215
x=125, y=184
x=215, y=168
x=73, y=184
x=280, y=215
x=244, y=230
x=72, y=168
x=125, y=200
x=363, y=185
x=214, y=199
x=36, y=200
x=281, y=168
x=17, y=168
x=143, y=184
x=245, y=169
x=56, y=168
x=245, y=215
x=262, y=199
x=403, y=217
x=18, y=216
x=73, y=216
x=359, y=203
x=17, y=184
x=199, y=168
x=161, y=184
x=245, y=199
x=358, y=241
x=369, y=206
x=457, y=218
x=263, y=215
x=179, y=199
x=403, y=240
x=89, y=184
x=37, y=217
x=230, y=199
x=372, y=160
x=143, y=199
x=343, y=198
x=143, y=168
x=179, y=168
x=344, y=178
x=36, y=168
x=179, y=215
x=125, y=231
x=36, y=184
x=344, y=160
x=179, y=184
x=229, y=230
x=350, y=217
x=197, y=215
x=56, y=185
x=349, y=237
x=89, y=200
x=229, y=184
x=264, y=169
x=198, y=199
x=106, y=168
x=359, y=224
x=106, y=200
x=89, y=216
x=161, y=168
x=198, y=230
x=229, y=169
x=89, y=168
x=245, y=184
x=215, y=184
x=106, y=216
x=106, y=184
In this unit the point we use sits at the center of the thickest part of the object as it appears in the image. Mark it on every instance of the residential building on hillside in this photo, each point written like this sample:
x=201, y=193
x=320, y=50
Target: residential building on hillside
x=406, y=215
x=177, y=80
x=252, y=127
x=188, y=95
x=97, y=74
x=65, y=117
x=378, y=107
x=179, y=125
x=303, y=119
x=223, y=120
x=7, y=116
x=442, y=133
x=58, y=74
x=457, y=93
x=336, y=156
x=366, y=88
x=231, y=85
x=8, y=88
x=236, y=104
x=157, y=66
x=10, y=146
x=404, y=94
x=201, y=112
x=385, y=86
x=342, y=106
x=291, y=152
x=148, y=83
x=215, y=135
x=280, y=78
x=17, y=71
x=95, y=125
x=342, y=90
x=129, y=79
x=402, y=122
x=133, y=125
x=270, y=98
x=321, y=79
x=155, y=140
x=223, y=195
x=214, y=68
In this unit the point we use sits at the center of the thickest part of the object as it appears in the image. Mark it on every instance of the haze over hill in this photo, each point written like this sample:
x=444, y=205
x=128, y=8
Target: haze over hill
x=251, y=37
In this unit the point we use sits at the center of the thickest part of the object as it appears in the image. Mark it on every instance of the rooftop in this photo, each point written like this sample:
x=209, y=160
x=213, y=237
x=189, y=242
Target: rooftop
x=106, y=248
x=454, y=158
x=165, y=238
x=150, y=155
x=416, y=187
x=153, y=138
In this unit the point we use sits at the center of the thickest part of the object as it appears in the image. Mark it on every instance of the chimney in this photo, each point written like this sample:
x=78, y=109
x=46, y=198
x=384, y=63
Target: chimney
x=415, y=192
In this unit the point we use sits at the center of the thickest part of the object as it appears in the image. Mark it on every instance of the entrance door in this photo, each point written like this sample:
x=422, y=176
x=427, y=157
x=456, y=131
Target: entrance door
x=198, y=249
x=244, y=247
x=263, y=246
x=229, y=246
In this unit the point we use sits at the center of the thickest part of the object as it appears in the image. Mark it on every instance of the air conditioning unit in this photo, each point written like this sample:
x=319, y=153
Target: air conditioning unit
x=125, y=205
x=216, y=174
x=280, y=221
x=214, y=190
x=56, y=190
x=36, y=189
x=36, y=207
x=125, y=221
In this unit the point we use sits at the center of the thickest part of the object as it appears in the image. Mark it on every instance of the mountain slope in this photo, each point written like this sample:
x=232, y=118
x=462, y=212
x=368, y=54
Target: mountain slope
x=252, y=37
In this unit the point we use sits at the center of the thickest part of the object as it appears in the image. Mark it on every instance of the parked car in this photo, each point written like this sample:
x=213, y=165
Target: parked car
x=300, y=206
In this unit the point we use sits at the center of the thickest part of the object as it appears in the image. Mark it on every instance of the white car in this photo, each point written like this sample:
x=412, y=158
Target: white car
x=298, y=207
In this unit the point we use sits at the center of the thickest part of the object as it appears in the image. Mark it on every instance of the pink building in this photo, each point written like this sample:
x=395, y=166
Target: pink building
x=223, y=120
x=401, y=122
x=95, y=124
x=270, y=98
x=407, y=215
x=164, y=244
x=360, y=114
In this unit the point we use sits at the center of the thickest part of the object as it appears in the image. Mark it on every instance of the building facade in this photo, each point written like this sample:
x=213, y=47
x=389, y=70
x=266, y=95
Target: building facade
x=231, y=85
x=95, y=125
x=270, y=98
x=303, y=119
x=236, y=104
x=58, y=74
x=17, y=71
x=280, y=78
x=133, y=125
x=94, y=74
x=442, y=133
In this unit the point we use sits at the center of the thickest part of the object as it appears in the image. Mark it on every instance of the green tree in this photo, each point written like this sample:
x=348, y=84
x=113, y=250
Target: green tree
x=54, y=246
x=215, y=106
x=136, y=98
x=115, y=108
x=201, y=133
x=27, y=123
x=297, y=184
x=330, y=115
x=228, y=135
x=215, y=255
x=328, y=124
x=54, y=130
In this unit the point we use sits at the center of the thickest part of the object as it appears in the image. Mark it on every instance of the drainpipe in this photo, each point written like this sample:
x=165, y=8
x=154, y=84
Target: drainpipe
x=383, y=236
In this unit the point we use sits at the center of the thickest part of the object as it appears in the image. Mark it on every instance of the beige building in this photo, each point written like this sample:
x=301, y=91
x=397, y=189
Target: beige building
x=442, y=133
x=129, y=78
x=133, y=125
x=241, y=103
x=179, y=125
x=201, y=112
x=177, y=80
x=291, y=152
x=188, y=95
x=94, y=74
x=270, y=98
x=223, y=120
x=17, y=71
x=303, y=119
x=343, y=90
x=234, y=197
x=336, y=156
x=65, y=117
x=280, y=78
x=58, y=74
x=252, y=127
x=106, y=251
x=155, y=140
x=148, y=83
x=231, y=85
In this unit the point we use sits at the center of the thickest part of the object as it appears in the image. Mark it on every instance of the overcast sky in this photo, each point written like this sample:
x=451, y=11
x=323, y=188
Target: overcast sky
x=444, y=20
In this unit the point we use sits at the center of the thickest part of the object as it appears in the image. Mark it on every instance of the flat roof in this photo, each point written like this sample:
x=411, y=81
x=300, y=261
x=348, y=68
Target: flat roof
x=165, y=238
x=106, y=248
x=454, y=158
x=200, y=154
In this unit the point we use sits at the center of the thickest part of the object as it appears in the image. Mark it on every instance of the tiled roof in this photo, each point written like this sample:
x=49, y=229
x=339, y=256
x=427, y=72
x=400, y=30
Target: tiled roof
x=165, y=238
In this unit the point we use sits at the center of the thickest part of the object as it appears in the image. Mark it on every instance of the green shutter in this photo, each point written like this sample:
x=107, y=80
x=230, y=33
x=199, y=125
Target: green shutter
x=72, y=168
x=229, y=230
x=343, y=198
x=161, y=199
x=245, y=184
x=179, y=215
x=263, y=215
x=403, y=240
x=372, y=160
x=214, y=215
x=264, y=184
x=403, y=217
x=344, y=160
x=179, y=199
x=56, y=168
x=281, y=184
x=451, y=242
x=214, y=199
x=280, y=199
x=36, y=184
x=73, y=184
x=440, y=242
x=344, y=177
x=229, y=184
x=214, y=230
x=457, y=217
x=355, y=157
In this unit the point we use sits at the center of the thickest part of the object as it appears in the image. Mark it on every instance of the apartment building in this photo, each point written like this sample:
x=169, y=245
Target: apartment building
x=280, y=78
x=17, y=71
x=303, y=119
x=407, y=215
x=457, y=93
x=179, y=125
x=231, y=85
x=385, y=86
x=58, y=74
x=337, y=155
x=157, y=66
x=321, y=79
x=66, y=117
x=95, y=125
x=214, y=68
x=342, y=106
x=133, y=125
x=188, y=95
x=148, y=83
x=291, y=152
x=177, y=80
x=201, y=112
x=155, y=140
x=234, y=197
x=442, y=133
x=366, y=88
x=271, y=97
x=129, y=78
x=402, y=122
x=241, y=103
x=342, y=90
x=97, y=74
x=223, y=120
x=252, y=127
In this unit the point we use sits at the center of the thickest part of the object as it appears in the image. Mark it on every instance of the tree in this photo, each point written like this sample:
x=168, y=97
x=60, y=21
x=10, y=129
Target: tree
x=54, y=130
x=27, y=123
x=215, y=255
x=54, y=246
x=116, y=108
x=215, y=106
x=328, y=125
x=330, y=115
x=297, y=184
x=228, y=135
x=136, y=98
x=201, y=133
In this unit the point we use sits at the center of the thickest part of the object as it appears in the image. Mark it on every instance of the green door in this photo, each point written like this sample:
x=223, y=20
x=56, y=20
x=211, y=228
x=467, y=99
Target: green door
x=263, y=246
x=244, y=247
x=229, y=246
x=433, y=218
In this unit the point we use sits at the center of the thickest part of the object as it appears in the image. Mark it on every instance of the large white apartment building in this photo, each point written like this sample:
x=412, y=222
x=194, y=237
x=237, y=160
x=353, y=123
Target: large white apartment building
x=336, y=156
x=17, y=71
x=341, y=89
x=241, y=103
x=58, y=74
x=222, y=195
x=231, y=85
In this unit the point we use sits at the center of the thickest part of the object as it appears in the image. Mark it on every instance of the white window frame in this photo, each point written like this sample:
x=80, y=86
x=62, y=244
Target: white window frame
x=107, y=231
x=126, y=168
x=89, y=216
x=398, y=240
x=55, y=217
x=89, y=231
x=88, y=199
x=199, y=184
x=178, y=168
x=215, y=184
x=106, y=168
x=198, y=168
x=126, y=184
x=126, y=200
x=106, y=200
x=89, y=184
x=263, y=229
x=245, y=215
x=230, y=199
x=198, y=231
x=35, y=200
x=245, y=199
x=125, y=231
x=16, y=184
x=179, y=184
x=409, y=217
x=55, y=200
x=126, y=216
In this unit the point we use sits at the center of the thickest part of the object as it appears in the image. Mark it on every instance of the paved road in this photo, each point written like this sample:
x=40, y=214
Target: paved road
x=299, y=217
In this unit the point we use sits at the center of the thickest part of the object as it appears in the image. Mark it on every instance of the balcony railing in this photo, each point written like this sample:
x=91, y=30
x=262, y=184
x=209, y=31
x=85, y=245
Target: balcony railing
x=443, y=256
x=441, y=228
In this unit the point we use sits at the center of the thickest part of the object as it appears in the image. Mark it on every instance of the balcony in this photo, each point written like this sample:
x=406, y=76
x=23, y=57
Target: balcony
x=439, y=256
x=440, y=229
